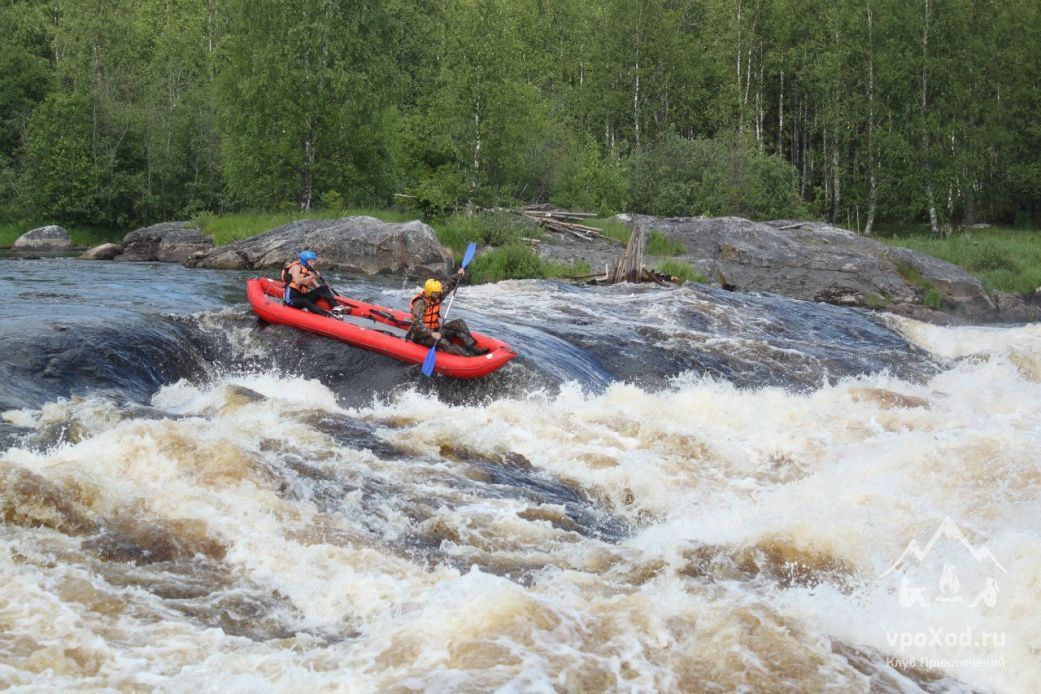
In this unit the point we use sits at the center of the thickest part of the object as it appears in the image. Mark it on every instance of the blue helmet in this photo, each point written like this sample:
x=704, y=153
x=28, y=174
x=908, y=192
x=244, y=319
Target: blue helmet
x=307, y=257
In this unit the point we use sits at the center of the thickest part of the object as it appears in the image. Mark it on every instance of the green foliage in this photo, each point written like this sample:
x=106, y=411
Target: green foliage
x=593, y=180
x=678, y=268
x=1004, y=259
x=874, y=300
x=118, y=113
x=612, y=229
x=332, y=200
x=513, y=261
x=516, y=261
x=487, y=229
x=659, y=244
x=681, y=177
x=933, y=299
x=912, y=276
x=303, y=101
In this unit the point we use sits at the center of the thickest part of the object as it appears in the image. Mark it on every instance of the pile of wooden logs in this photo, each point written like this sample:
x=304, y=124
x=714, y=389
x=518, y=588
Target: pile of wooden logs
x=563, y=222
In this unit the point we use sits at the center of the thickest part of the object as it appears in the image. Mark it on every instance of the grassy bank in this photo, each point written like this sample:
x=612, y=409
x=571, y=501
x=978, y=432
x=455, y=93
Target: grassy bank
x=81, y=236
x=1004, y=259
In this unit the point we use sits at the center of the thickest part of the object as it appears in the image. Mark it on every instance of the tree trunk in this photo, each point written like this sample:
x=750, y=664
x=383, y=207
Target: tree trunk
x=636, y=87
x=836, y=173
x=307, y=175
x=780, y=118
x=477, y=157
x=740, y=104
x=873, y=195
x=969, y=217
x=934, y=223
x=759, y=110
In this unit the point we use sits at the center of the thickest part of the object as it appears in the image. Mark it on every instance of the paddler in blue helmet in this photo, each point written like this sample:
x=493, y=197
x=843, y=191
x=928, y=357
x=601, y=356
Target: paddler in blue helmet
x=304, y=285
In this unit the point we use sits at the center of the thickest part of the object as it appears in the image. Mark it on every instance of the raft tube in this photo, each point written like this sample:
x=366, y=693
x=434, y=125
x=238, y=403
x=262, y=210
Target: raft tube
x=385, y=334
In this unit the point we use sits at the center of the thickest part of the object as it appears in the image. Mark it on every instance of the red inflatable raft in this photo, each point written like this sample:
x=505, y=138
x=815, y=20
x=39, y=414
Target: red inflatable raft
x=375, y=328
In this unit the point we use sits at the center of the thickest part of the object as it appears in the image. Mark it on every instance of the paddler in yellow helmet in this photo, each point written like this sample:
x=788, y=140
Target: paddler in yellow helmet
x=454, y=336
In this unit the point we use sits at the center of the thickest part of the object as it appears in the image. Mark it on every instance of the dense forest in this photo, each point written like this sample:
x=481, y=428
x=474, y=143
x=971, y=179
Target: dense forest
x=120, y=112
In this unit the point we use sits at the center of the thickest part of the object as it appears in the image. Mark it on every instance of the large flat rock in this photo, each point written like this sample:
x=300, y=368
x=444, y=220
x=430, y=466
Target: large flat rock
x=818, y=262
x=351, y=244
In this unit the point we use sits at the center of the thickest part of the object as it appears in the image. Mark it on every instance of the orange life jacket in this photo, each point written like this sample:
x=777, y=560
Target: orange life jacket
x=432, y=313
x=287, y=275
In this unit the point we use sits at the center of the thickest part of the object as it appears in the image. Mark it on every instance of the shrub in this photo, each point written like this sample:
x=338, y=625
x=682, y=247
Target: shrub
x=592, y=180
x=507, y=262
x=676, y=176
x=933, y=298
x=678, y=268
x=332, y=200
x=488, y=229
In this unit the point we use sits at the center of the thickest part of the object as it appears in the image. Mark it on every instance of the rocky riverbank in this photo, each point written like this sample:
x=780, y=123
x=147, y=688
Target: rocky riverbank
x=811, y=261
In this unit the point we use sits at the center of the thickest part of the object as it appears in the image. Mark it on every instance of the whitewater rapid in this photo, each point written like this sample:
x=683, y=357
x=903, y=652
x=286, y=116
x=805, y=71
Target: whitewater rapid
x=250, y=525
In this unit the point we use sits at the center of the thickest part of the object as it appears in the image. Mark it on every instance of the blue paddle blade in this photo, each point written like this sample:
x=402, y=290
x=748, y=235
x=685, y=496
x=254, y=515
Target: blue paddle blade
x=469, y=255
x=428, y=363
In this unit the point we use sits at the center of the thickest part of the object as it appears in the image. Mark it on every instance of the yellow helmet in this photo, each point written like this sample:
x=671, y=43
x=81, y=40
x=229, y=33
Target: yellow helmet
x=432, y=287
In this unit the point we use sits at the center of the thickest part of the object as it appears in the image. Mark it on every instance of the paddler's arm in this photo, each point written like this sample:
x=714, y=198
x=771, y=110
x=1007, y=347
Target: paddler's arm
x=449, y=285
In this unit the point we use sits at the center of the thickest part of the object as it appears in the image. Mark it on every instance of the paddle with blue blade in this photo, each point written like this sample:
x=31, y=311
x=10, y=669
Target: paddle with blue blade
x=428, y=363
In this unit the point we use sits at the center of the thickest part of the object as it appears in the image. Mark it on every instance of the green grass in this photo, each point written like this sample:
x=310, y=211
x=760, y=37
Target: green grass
x=81, y=235
x=612, y=228
x=933, y=299
x=874, y=300
x=912, y=276
x=1003, y=259
x=678, y=268
x=659, y=244
x=515, y=261
x=228, y=228
x=487, y=229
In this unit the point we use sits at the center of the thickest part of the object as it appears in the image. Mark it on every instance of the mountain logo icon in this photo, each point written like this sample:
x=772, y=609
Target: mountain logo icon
x=949, y=529
x=949, y=586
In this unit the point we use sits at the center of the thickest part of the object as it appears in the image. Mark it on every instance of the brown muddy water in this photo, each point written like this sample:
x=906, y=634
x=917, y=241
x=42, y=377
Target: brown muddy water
x=684, y=490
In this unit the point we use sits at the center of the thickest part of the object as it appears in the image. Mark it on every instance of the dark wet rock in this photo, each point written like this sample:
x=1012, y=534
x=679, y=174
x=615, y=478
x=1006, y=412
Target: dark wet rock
x=926, y=314
x=106, y=251
x=148, y=541
x=352, y=244
x=1015, y=308
x=169, y=242
x=48, y=238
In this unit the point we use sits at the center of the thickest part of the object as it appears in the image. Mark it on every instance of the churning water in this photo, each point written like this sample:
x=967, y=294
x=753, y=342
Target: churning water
x=669, y=490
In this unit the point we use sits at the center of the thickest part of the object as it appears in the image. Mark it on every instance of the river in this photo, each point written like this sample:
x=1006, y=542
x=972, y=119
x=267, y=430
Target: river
x=672, y=490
